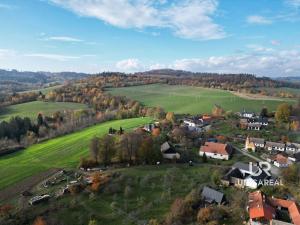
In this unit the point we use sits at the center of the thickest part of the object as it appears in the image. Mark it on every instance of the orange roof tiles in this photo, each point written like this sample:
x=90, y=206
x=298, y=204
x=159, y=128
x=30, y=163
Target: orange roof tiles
x=258, y=208
x=262, y=207
x=281, y=159
x=215, y=148
x=292, y=207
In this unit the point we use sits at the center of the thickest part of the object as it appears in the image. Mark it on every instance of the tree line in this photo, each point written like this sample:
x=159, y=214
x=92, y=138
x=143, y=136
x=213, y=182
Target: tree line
x=134, y=147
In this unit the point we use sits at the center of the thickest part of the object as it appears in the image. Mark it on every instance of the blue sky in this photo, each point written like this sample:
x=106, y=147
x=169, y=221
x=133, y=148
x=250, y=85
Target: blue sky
x=249, y=36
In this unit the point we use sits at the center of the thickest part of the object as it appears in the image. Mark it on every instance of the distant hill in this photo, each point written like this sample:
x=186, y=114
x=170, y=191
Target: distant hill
x=237, y=80
x=289, y=79
x=15, y=81
x=38, y=77
x=167, y=72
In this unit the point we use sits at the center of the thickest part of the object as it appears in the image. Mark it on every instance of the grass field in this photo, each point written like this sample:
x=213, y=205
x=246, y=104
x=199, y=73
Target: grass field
x=45, y=90
x=193, y=100
x=56, y=153
x=150, y=193
x=31, y=109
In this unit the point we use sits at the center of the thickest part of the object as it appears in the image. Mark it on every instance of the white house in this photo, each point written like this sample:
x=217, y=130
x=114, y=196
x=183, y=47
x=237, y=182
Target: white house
x=258, y=142
x=149, y=127
x=254, y=126
x=168, y=151
x=194, y=124
x=275, y=146
x=246, y=114
x=254, y=143
x=260, y=120
x=293, y=147
x=280, y=161
x=216, y=150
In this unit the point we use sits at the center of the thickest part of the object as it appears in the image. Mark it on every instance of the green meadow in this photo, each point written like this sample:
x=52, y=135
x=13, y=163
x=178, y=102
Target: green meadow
x=193, y=100
x=31, y=109
x=61, y=152
x=44, y=90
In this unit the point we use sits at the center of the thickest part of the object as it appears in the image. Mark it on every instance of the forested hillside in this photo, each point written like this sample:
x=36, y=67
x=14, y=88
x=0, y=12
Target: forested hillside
x=16, y=81
x=217, y=80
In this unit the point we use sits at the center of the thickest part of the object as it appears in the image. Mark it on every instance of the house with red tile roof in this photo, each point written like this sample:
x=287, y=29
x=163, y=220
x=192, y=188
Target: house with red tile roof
x=263, y=210
x=260, y=211
x=291, y=206
x=216, y=150
x=280, y=160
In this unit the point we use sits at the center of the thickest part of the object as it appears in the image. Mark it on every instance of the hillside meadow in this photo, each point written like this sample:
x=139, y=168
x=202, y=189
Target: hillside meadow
x=44, y=90
x=193, y=100
x=139, y=194
x=61, y=152
x=31, y=109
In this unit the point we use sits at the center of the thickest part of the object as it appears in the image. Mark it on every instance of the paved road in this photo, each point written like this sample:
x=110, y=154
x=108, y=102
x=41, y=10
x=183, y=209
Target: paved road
x=274, y=170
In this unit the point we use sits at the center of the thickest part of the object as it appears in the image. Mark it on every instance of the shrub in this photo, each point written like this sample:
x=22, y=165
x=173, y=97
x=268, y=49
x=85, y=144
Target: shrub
x=92, y=222
x=128, y=191
x=75, y=189
x=87, y=163
x=5, y=210
x=112, y=188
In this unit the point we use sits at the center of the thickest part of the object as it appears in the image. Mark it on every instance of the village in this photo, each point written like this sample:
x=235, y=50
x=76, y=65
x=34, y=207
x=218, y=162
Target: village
x=261, y=166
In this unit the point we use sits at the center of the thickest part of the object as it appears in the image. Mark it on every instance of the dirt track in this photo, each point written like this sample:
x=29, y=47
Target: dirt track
x=24, y=185
x=257, y=96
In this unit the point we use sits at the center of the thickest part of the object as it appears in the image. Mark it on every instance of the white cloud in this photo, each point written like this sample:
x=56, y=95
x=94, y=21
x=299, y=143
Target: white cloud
x=4, y=53
x=259, y=48
x=275, y=42
x=260, y=20
x=55, y=57
x=258, y=60
x=282, y=63
x=129, y=65
x=64, y=39
x=192, y=19
x=157, y=66
x=293, y=3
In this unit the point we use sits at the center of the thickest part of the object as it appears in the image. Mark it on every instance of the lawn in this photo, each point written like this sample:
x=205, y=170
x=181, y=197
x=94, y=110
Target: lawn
x=193, y=100
x=60, y=152
x=31, y=109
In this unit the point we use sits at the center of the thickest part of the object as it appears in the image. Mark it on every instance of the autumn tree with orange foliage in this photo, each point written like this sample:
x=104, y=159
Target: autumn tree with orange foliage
x=170, y=117
x=156, y=132
x=204, y=215
x=5, y=210
x=180, y=212
x=218, y=111
x=295, y=125
x=98, y=180
x=39, y=221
